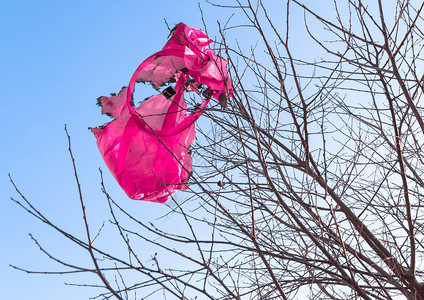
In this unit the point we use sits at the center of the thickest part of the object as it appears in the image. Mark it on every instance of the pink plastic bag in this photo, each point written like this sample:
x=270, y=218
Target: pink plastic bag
x=146, y=147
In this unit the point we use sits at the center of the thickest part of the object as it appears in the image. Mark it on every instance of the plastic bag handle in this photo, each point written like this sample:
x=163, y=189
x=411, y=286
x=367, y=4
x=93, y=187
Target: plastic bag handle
x=178, y=128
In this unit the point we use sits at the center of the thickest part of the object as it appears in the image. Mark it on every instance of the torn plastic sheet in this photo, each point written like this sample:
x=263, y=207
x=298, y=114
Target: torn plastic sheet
x=146, y=147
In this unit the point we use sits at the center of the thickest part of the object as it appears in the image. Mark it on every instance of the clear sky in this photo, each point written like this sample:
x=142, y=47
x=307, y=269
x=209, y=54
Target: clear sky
x=56, y=58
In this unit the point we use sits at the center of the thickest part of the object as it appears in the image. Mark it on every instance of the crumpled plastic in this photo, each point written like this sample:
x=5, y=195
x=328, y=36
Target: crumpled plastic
x=146, y=147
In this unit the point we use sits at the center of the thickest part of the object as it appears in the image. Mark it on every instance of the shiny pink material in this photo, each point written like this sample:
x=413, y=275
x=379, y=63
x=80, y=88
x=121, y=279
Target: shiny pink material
x=146, y=147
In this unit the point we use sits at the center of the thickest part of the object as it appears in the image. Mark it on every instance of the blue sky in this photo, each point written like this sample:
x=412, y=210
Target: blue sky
x=56, y=58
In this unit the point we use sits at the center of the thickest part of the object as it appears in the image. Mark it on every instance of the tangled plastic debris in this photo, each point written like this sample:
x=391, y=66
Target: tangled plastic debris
x=146, y=147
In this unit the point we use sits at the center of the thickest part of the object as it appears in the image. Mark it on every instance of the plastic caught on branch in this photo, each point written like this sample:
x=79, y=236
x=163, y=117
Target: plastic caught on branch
x=146, y=147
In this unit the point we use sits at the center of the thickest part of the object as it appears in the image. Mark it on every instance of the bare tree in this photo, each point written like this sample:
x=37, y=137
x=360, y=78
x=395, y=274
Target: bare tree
x=310, y=183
